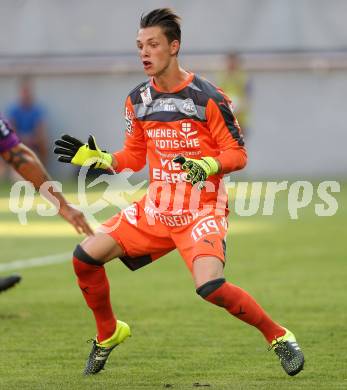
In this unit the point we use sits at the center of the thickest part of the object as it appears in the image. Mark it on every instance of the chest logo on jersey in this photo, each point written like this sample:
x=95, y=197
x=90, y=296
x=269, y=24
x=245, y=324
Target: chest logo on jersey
x=167, y=105
x=186, y=130
x=188, y=107
x=184, y=138
x=146, y=96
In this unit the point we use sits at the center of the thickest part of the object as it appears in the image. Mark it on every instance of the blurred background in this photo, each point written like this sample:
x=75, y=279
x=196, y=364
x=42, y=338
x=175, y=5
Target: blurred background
x=284, y=63
x=71, y=64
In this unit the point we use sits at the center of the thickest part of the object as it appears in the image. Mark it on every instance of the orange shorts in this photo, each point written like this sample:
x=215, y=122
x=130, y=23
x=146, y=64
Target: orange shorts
x=146, y=238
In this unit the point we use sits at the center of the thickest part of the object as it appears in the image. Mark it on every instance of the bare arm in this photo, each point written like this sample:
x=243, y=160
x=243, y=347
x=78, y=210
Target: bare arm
x=27, y=164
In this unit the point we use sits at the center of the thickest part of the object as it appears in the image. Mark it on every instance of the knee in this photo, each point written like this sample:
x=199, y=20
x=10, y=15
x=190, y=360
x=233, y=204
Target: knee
x=81, y=255
x=102, y=247
x=210, y=287
x=83, y=263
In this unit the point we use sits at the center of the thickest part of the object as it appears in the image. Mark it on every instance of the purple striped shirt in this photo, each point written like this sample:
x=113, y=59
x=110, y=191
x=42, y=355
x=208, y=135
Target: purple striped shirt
x=8, y=138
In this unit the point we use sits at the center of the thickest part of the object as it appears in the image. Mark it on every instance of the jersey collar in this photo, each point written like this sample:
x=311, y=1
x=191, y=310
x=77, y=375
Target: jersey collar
x=178, y=88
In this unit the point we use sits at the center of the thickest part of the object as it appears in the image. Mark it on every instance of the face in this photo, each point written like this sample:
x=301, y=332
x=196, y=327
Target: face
x=26, y=96
x=155, y=52
x=233, y=63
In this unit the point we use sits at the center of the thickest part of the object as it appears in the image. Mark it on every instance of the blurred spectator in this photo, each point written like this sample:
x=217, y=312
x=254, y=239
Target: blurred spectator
x=236, y=84
x=29, y=120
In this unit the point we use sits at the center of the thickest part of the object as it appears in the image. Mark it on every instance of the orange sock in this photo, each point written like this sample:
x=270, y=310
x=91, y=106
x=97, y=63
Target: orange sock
x=95, y=288
x=241, y=305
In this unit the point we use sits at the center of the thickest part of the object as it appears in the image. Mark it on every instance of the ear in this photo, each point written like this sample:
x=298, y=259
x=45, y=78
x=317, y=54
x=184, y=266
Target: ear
x=174, y=47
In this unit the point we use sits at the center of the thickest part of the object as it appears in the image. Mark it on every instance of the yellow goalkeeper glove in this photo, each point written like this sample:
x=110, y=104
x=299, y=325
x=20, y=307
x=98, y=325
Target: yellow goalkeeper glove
x=72, y=150
x=198, y=170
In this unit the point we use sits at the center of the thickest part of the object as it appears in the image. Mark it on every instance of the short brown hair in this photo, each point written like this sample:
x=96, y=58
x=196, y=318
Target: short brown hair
x=166, y=19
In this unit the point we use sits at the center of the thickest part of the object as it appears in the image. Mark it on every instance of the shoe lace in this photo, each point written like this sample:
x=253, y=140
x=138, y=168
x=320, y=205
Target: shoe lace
x=275, y=344
x=96, y=348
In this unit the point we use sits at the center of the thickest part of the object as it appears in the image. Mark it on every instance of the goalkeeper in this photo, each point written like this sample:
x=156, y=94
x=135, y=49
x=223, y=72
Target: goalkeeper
x=186, y=128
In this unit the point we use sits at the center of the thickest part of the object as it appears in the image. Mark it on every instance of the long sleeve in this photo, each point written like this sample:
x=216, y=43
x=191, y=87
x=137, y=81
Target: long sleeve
x=226, y=133
x=133, y=154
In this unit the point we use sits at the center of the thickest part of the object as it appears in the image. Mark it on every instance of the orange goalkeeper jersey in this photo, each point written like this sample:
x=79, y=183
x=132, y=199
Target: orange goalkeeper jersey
x=194, y=120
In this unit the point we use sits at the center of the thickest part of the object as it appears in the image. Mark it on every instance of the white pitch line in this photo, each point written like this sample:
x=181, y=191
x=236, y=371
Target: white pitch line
x=36, y=262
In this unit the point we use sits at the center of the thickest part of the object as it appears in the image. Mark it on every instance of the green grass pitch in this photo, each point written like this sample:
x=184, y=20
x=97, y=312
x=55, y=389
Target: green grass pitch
x=295, y=268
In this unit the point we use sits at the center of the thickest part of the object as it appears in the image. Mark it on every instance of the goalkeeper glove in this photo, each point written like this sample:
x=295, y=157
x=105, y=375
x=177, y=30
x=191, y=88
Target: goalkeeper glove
x=198, y=170
x=72, y=150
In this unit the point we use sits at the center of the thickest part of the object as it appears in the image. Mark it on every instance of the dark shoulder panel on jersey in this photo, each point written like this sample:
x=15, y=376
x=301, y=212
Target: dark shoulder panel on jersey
x=213, y=92
x=188, y=103
x=135, y=94
x=152, y=105
x=210, y=90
